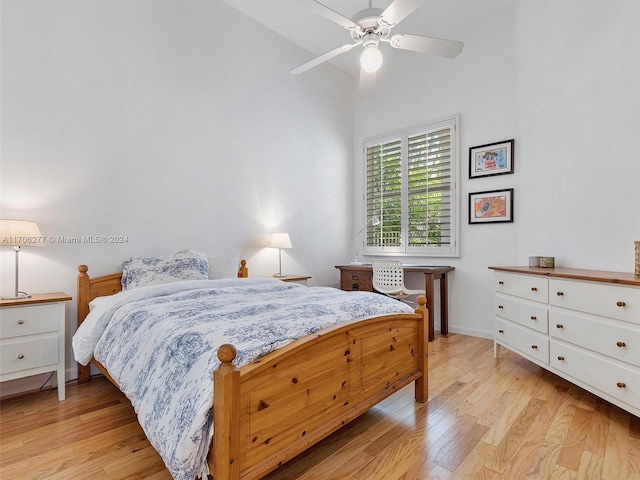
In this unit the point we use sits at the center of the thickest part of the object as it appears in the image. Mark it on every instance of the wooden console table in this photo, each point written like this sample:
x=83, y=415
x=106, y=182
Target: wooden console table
x=359, y=277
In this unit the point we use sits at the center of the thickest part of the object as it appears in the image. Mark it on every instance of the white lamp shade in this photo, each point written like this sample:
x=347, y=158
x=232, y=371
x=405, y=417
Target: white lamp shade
x=20, y=233
x=280, y=240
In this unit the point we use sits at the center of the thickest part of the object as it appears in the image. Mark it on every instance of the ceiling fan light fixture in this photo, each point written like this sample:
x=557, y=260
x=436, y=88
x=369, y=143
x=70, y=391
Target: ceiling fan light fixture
x=371, y=58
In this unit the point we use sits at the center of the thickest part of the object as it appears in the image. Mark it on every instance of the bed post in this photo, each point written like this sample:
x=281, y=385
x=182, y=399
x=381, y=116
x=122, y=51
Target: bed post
x=84, y=371
x=226, y=417
x=243, y=271
x=422, y=383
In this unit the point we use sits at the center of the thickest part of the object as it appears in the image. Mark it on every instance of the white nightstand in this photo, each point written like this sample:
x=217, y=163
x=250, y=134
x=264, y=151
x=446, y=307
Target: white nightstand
x=302, y=279
x=32, y=334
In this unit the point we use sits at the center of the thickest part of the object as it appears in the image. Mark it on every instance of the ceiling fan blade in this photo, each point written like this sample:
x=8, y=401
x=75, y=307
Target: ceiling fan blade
x=323, y=58
x=366, y=83
x=326, y=12
x=398, y=11
x=431, y=45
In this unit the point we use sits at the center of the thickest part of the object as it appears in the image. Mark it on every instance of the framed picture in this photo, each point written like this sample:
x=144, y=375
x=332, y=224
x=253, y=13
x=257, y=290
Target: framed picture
x=491, y=159
x=491, y=207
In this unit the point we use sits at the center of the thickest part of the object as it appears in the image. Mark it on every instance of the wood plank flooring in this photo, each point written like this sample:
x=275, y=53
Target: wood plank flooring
x=485, y=419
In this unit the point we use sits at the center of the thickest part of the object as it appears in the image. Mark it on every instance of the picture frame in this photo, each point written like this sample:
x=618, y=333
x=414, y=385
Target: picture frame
x=491, y=159
x=492, y=206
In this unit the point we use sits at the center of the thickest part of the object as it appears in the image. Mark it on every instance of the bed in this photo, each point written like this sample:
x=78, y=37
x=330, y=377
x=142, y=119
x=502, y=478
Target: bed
x=280, y=403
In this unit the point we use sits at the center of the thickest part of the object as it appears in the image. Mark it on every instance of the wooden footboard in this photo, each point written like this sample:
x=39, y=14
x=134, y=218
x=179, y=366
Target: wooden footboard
x=267, y=412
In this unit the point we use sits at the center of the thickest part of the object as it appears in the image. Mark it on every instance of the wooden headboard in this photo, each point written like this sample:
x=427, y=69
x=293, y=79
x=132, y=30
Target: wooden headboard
x=90, y=288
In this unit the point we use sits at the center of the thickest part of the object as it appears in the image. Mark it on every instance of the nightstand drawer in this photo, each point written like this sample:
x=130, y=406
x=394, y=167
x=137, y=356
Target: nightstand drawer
x=23, y=355
x=32, y=337
x=29, y=320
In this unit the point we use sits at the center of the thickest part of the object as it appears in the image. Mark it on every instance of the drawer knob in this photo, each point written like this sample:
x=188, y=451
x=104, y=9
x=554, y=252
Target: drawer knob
x=533, y=317
x=621, y=344
x=560, y=357
x=20, y=357
x=621, y=385
x=535, y=347
x=500, y=331
x=620, y=304
x=500, y=307
x=534, y=289
x=559, y=294
x=20, y=322
x=559, y=325
x=500, y=282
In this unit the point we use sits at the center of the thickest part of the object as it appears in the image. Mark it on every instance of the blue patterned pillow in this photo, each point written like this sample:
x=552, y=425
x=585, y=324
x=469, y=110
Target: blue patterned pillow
x=184, y=265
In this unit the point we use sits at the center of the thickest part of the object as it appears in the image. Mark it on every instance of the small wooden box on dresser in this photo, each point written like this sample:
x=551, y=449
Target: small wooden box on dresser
x=583, y=325
x=32, y=337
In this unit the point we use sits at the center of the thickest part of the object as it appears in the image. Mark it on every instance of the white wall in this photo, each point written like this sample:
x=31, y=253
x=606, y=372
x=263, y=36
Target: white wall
x=561, y=78
x=176, y=124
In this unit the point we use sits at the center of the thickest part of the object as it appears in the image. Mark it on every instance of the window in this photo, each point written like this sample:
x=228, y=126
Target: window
x=411, y=188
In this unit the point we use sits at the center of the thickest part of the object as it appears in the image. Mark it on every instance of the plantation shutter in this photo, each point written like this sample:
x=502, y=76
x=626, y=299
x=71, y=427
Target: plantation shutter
x=384, y=194
x=429, y=189
x=410, y=187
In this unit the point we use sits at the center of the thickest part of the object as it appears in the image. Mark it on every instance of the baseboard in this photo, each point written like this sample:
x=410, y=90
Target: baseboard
x=472, y=332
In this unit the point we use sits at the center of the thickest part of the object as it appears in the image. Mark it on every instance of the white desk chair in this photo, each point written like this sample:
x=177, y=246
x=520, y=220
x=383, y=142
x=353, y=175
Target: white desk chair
x=388, y=278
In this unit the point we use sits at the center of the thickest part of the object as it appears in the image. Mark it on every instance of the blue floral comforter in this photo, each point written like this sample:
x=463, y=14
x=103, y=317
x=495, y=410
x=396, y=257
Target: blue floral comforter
x=160, y=343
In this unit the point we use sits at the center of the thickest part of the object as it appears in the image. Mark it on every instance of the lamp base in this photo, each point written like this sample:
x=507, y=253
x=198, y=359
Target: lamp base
x=20, y=296
x=279, y=275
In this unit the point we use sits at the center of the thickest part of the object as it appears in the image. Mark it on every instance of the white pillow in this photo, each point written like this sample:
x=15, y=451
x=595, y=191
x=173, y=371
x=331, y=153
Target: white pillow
x=184, y=265
x=223, y=266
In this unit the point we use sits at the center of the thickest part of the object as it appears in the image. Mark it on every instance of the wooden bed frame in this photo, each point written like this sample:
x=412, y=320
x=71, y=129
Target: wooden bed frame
x=271, y=410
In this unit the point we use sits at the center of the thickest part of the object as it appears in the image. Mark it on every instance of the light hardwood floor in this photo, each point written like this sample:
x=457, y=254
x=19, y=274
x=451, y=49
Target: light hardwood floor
x=485, y=419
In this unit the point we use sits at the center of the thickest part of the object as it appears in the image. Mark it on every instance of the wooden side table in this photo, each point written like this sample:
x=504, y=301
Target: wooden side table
x=302, y=279
x=32, y=337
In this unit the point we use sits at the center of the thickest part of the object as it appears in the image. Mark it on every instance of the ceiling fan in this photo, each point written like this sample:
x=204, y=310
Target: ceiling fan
x=371, y=27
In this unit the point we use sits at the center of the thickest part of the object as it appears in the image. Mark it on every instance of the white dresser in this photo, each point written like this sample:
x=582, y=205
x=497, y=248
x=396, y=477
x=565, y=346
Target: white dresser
x=582, y=325
x=32, y=337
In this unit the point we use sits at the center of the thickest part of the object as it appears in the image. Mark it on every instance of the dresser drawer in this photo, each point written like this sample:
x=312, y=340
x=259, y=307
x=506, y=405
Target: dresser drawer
x=26, y=354
x=609, y=337
x=619, y=380
x=29, y=320
x=615, y=301
x=523, y=340
x=525, y=286
x=529, y=314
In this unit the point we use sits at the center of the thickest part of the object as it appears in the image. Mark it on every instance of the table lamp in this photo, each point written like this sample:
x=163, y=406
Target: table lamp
x=375, y=221
x=280, y=241
x=17, y=234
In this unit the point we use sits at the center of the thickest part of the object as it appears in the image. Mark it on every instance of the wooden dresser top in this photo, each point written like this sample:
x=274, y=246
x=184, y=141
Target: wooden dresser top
x=624, y=278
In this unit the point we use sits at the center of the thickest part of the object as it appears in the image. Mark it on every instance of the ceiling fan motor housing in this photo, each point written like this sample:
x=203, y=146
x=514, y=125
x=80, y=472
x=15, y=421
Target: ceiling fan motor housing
x=368, y=21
